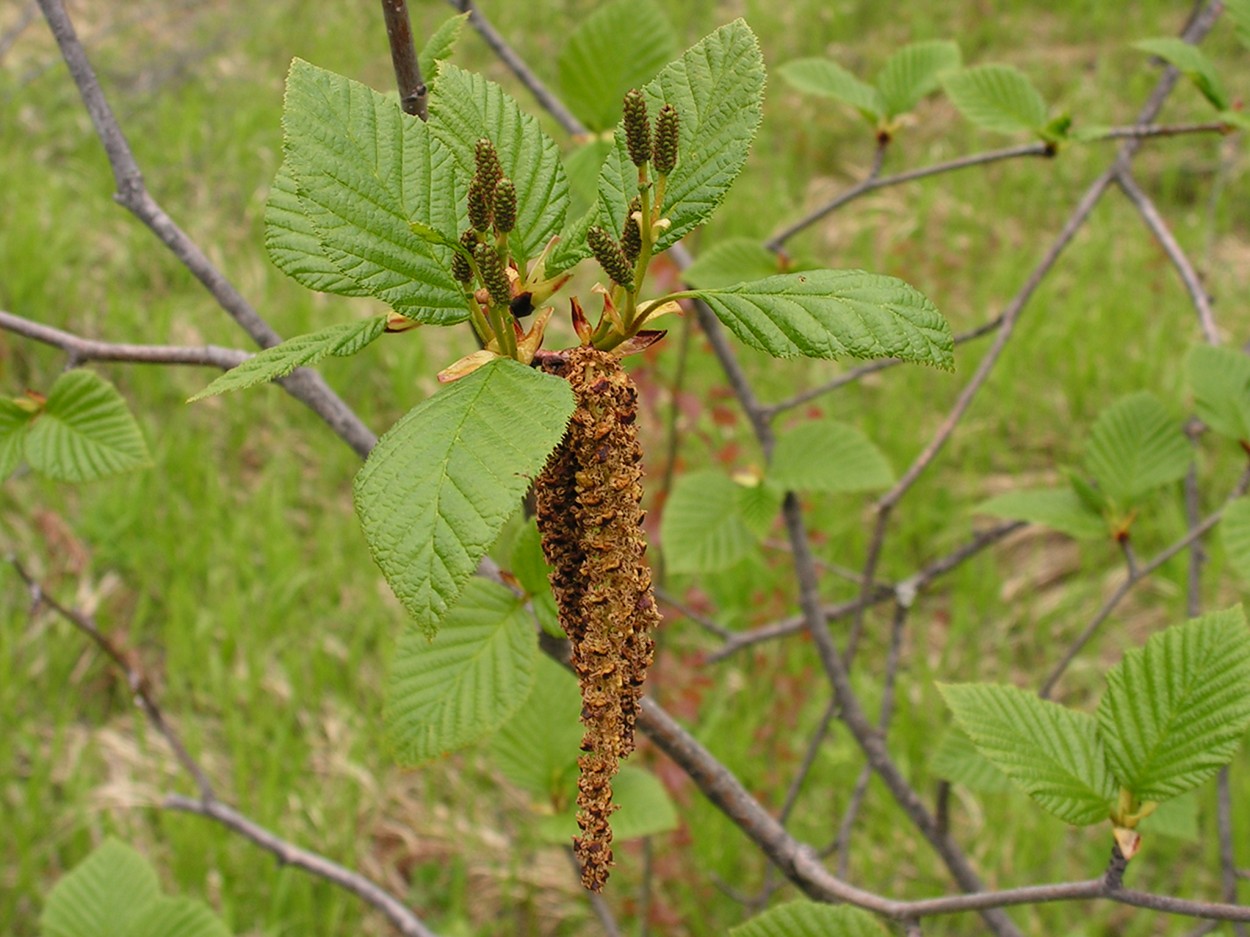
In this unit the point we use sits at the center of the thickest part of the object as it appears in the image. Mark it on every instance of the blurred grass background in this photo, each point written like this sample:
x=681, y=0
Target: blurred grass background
x=236, y=569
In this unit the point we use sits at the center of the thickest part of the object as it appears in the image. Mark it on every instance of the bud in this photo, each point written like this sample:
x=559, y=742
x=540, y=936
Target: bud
x=610, y=256
x=631, y=237
x=505, y=205
x=637, y=127
x=460, y=268
x=666, y=124
x=480, y=204
x=486, y=158
x=494, y=277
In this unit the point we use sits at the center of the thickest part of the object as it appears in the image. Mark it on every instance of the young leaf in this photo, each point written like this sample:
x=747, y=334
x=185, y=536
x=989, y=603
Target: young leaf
x=1220, y=378
x=440, y=46
x=913, y=72
x=811, y=919
x=14, y=421
x=703, y=529
x=1192, y=63
x=829, y=79
x=85, y=431
x=717, y=87
x=363, y=170
x=1053, y=753
x=464, y=108
x=1135, y=447
x=342, y=341
x=537, y=748
x=1060, y=509
x=997, y=97
x=184, y=917
x=835, y=313
x=729, y=262
x=1175, y=710
x=463, y=684
x=1235, y=535
x=958, y=761
x=619, y=46
x=439, y=486
x=828, y=456
x=102, y=896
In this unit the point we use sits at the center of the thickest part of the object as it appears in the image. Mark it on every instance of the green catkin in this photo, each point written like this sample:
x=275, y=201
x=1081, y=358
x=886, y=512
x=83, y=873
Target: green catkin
x=611, y=257
x=637, y=127
x=631, y=237
x=480, y=199
x=486, y=160
x=494, y=277
x=505, y=206
x=461, y=269
x=666, y=132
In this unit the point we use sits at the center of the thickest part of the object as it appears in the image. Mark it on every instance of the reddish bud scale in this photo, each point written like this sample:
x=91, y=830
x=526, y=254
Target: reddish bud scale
x=637, y=127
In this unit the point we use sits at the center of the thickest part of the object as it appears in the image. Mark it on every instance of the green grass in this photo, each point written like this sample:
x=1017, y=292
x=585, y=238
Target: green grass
x=236, y=570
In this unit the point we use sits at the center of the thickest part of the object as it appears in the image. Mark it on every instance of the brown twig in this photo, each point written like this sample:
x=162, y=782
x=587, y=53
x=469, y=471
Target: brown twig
x=413, y=93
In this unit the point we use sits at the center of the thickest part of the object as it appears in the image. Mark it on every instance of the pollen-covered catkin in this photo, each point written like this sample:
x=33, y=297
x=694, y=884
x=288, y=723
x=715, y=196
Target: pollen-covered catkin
x=589, y=501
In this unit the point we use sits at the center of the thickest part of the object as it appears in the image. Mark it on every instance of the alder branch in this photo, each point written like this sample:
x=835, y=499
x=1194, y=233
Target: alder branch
x=413, y=93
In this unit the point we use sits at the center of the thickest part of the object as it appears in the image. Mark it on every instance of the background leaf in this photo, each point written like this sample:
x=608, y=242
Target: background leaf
x=825, y=455
x=1135, y=447
x=997, y=97
x=1239, y=12
x=829, y=79
x=439, y=47
x=449, y=691
x=645, y=809
x=1053, y=753
x=1220, y=378
x=1177, y=818
x=834, y=314
x=811, y=919
x=438, y=487
x=531, y=570
x=537, y=748
x=341, y=340
x=1175, y=710
x=102, y=896
x=734, y=260
x=1060, y=509
x=183, y=917
x=582, y=167
x=913, y=72
x=703, y=528
x=717, y=87
x=1192, y=63
x=1235, y=536
x=85, y=431
x=14, y=421
x=617, y=47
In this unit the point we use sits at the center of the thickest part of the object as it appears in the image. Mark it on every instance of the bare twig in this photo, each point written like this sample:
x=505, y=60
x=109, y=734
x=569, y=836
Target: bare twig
x=413, y=93
x=1147, y=131
x=667, y=598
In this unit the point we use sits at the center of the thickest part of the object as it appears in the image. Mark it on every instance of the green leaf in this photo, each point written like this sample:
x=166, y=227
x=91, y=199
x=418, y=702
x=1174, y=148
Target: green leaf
x=1052, y=753
x=1239, y=12
x=829, y=79
x=85, y=431
x=997, y=97
x=1235, y=535
x=537, y=748
x=617, y=47
x=804, y=918
x=1192, y=63
x=1177, y=818
x=464, y=108
x=717, y=87
x=530, y=568
x=958, y=761
x=571, y=249
x=14, y=421
x=583, y=166
x=1220, y=378
x=835, y=313
x=1060, y=509
x=1135, y=447
x=732, y=261
x=460, y=686
x=914, y=71
x=342, y=340
x=364, y=169
x=294, y=245
x=439, y=486
x=645, y=809
x=103, y=896
x=177, y=917
x=1238, y=119
x=825, y=455
x=440, y=46
x=703, y=528
x=1175, y=710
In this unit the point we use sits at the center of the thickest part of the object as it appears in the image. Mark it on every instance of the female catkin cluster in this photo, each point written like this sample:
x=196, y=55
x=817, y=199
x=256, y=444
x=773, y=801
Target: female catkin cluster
x=589, y=506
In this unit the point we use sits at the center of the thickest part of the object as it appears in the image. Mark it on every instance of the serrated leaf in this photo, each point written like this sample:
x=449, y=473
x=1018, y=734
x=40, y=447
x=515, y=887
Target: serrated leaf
x=811, y=919
x=14, y=421
x=530, y=568
x=1052, y=753
x=1220, y=378
x=1235, y=536
x=464, y=108
x=85, y=431
x=703, y=528
x=829, y=79
x=736, y=260
x=439, y=46
x=177, y=917
x=342, y=340
x=447, y=692
x=835, y=313
x=294, y=245
x=439, y=486
x=1192, y=63
x=825, y=455
x=1175, y=710
x=957, y=760
x=997, y=97
x=619, y=46
x=717, y=87
x=102, y=896
x=1060, y=509
x=913, y=72
x=363, y=170
x=1176, y=818
x=537, y=748
x=1135, y=447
